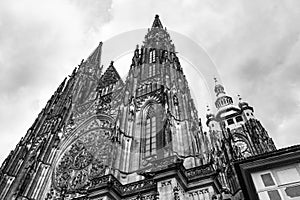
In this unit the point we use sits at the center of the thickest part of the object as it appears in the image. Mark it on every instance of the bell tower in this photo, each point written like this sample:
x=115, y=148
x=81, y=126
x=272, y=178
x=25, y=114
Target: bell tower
x=234, y=134
x=245, y=133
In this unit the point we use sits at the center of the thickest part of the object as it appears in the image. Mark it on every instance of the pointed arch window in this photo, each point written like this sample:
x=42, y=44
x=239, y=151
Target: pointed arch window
x=151, y=70
x=150, y=132
x=176, y=104
x=152, y=56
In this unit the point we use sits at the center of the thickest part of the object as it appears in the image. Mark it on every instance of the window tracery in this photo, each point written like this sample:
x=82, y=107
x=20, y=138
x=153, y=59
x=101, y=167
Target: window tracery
x=86, y=158
x=150, y=132
x=152, y=56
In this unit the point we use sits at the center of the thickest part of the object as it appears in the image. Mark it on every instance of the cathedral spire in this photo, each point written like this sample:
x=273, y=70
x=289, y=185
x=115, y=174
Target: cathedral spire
x=158, y=37
x=91, y=67
x=95, y=57
x=157, y=23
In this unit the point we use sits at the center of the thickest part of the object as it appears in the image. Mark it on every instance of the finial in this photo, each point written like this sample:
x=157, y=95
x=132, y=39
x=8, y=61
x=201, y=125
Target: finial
x=208, y=109
x=240, y=98
x=100, y=43
x=156, y=16
x=241, y=102
x=73, y=73
x=111, y=63
x=216, y=80
x=81, y=62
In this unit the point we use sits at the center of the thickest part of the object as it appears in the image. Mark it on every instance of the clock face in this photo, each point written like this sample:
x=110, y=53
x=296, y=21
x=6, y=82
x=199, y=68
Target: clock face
x=242, y=145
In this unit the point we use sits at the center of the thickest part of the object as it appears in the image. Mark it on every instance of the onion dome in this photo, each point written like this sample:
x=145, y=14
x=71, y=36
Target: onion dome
x=222, y=99
x=243, y=105
x=241, y=102
x=219, y=89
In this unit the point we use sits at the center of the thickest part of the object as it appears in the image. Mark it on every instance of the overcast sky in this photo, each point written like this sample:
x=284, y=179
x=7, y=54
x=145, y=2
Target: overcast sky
x=254, y=44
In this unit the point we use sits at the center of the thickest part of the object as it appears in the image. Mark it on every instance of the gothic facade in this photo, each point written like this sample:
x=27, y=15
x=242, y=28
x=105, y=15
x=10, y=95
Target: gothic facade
x=100, y=137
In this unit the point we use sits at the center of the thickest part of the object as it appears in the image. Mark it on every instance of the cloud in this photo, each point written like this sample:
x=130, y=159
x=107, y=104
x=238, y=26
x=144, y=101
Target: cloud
x=255, y=45
x=41, y=43
x=258, y=59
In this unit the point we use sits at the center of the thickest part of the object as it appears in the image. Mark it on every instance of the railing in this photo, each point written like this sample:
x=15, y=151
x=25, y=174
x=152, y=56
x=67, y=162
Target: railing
x=111, y=181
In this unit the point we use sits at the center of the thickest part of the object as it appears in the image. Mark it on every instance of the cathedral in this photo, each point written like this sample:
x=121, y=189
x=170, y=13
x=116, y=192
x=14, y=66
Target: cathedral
x=103, y=138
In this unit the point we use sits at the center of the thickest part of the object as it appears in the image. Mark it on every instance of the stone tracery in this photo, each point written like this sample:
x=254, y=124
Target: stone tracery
x=86, y=158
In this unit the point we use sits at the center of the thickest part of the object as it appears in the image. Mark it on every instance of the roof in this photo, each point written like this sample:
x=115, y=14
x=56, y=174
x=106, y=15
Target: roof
x=110, y=76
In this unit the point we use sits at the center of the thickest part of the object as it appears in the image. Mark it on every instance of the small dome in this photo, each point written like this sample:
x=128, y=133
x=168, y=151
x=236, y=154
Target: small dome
x=219, y=89
x=223, y=101
x=228, y=108
x=242, y=104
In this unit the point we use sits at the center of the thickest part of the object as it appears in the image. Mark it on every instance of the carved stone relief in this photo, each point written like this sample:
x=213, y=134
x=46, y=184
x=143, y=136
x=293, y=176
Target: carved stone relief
x=86, y=158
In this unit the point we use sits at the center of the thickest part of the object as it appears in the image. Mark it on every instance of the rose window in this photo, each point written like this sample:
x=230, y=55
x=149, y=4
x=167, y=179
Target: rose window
x=87, y=157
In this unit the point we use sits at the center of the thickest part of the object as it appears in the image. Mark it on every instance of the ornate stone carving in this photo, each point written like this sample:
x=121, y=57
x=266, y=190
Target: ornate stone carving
x=87, y=157
x=199, y=171
x=131, y=188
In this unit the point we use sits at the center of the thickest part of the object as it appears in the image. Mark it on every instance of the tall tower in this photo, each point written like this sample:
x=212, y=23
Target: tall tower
x=234, y=133
x=157, y=115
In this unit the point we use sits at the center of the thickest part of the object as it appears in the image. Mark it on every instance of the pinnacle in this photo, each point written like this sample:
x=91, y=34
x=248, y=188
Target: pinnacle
x=110, y=75
x=216, y=80
x=157, y=23
x=111, y=63
x=240, y=98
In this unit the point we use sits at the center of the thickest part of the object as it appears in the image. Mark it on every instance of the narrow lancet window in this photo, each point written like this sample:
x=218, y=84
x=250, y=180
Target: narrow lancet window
x=150, y=132
x=152, y=57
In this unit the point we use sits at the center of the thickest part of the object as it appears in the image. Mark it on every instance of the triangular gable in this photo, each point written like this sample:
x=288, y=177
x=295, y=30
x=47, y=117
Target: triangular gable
x=110, y=76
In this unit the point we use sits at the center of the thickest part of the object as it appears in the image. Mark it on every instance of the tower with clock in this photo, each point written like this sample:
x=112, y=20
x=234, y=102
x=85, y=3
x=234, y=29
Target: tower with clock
x=234, y=133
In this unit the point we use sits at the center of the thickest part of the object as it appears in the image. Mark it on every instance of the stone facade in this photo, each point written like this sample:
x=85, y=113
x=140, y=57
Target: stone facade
x=101, y=138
